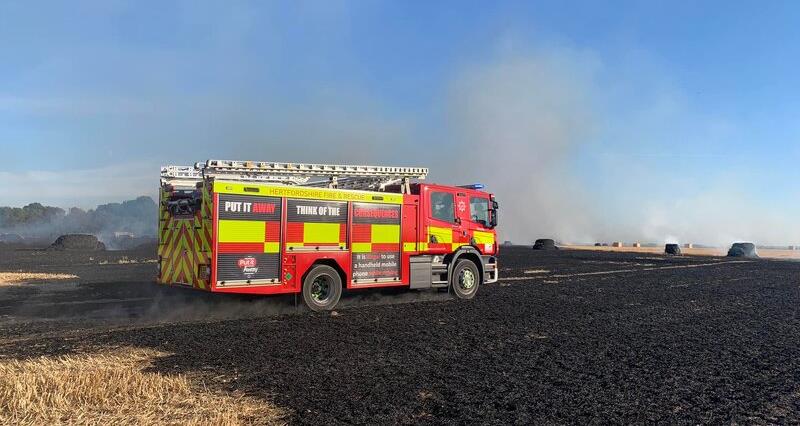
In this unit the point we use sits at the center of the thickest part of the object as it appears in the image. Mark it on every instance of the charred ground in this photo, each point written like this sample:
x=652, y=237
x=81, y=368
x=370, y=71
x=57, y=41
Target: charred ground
x=567, y=336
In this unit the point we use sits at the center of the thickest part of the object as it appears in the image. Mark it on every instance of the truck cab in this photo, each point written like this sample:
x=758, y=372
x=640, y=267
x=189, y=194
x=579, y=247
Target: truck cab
x=457, y=216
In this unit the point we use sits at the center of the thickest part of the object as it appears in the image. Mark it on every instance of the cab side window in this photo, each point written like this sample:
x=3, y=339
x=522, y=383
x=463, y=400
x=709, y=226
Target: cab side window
x=479, y=210
x=442, y=206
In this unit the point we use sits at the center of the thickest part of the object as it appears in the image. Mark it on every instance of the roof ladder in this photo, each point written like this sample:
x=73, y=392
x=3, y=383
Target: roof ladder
x=300, y=174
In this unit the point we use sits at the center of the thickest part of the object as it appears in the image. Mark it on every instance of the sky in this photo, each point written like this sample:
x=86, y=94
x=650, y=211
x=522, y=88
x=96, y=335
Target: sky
x=673, y=121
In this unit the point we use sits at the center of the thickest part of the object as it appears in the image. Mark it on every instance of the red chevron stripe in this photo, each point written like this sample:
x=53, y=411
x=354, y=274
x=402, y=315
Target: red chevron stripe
x=207, y=231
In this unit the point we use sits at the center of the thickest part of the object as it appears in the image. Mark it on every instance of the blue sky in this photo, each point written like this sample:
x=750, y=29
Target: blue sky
x=618, y=120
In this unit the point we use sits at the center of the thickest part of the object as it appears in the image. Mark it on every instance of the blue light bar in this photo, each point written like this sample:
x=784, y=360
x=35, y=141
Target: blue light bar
x=473, y=186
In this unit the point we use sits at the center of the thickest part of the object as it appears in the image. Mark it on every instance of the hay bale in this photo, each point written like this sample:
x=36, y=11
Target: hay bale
x=742, y=250
x=598, y=244
x=544, y=244
x=637, y=245
x=77, y=242
x=688, y=245
x=673, y=249
x=616, y=244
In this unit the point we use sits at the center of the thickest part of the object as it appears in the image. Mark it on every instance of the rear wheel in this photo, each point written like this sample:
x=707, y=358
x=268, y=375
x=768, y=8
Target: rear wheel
x=465, y=279
x=322, y=288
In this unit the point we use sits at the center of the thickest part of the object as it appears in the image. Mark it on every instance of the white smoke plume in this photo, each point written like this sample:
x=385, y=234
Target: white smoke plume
x=517, y=121
x=520, y=123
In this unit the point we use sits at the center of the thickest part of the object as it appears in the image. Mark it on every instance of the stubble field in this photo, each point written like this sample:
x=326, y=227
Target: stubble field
x=565, y=336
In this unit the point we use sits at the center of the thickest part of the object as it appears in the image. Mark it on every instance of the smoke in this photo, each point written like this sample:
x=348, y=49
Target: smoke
x=136, y=304
x=518, y=121
x=577, y=153
x=579, y=146
x=718, y=216
x=39, y=224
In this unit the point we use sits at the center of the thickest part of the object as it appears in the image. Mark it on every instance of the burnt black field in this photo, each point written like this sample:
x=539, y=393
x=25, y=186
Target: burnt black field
x=564, y=337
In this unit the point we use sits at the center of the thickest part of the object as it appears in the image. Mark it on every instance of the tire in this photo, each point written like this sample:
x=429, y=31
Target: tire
x=465, y=279
x=322, y=288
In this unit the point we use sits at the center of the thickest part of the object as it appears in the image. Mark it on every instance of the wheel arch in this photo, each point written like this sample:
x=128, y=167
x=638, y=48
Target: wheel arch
x=465, y=252
x=328, y=262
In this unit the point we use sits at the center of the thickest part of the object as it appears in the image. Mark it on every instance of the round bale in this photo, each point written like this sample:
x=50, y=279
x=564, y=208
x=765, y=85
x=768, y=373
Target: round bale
x=544, y=244
x=77, y=242
x=673, y=249
x=742, y=250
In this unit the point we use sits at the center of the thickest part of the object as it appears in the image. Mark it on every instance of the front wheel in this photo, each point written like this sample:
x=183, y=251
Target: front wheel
x=465, y=279
x=322, y=288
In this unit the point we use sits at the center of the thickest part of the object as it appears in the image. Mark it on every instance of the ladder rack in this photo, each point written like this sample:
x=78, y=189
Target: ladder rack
x=300, y=174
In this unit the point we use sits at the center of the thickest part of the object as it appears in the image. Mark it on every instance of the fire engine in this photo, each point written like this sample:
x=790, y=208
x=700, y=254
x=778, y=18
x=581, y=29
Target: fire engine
x=317, y=230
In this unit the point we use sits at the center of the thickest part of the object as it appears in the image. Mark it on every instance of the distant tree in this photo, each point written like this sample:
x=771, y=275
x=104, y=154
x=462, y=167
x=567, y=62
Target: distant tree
x=138, y=216
x=32, y=214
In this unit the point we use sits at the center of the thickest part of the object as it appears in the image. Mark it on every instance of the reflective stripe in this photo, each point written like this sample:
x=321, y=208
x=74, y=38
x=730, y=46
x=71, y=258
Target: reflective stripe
x=383, y=234
x=273, y=247
x=224, y=187
x=455, y=246
x=443, y=235
x=240, y=231
x=409, y=246
x=482, y=237
x=362, y=247
x=321, y=232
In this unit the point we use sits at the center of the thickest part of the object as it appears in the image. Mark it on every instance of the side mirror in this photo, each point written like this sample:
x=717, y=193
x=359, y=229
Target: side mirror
x=493, y=214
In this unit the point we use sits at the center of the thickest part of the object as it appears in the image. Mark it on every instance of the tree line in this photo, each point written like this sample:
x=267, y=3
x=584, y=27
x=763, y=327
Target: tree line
x=138, y=216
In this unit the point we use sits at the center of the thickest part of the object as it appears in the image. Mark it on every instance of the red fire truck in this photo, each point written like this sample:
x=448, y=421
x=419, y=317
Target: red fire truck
x=317, y=230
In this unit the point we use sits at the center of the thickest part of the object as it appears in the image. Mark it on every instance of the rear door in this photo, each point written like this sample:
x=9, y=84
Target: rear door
x=179, y=217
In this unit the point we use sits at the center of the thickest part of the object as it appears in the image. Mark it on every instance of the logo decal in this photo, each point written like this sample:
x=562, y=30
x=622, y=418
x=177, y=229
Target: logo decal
x=462, y=206
x=248, y=265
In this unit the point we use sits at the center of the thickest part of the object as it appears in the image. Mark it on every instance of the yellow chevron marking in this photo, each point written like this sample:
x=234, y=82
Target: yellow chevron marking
x=187, y=272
